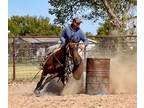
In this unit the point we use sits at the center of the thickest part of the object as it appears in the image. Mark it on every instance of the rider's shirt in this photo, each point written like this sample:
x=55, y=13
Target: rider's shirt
x=74, y=35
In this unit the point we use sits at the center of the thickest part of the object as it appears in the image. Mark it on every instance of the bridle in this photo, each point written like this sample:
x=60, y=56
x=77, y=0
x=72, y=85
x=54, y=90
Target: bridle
x=69, y=54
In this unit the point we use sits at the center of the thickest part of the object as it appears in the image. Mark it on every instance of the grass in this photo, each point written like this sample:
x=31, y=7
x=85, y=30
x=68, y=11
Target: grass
x=23, y=71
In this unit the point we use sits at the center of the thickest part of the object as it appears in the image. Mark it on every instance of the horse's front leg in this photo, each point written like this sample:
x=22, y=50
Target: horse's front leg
x=47, y=80
x=37, y=90
x=42, y=83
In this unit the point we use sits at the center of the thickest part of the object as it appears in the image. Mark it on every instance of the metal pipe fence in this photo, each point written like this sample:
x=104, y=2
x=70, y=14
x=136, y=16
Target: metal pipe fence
x=27, y=53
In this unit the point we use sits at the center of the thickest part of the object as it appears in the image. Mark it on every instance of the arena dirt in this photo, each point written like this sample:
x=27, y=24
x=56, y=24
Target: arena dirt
x=122, y=91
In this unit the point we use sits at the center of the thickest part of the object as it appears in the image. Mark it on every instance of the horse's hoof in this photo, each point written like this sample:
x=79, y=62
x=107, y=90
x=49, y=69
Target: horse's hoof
x=37, y=93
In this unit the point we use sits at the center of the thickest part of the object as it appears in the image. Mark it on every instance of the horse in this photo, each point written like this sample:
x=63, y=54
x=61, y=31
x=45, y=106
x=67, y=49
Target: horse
x=60, y=64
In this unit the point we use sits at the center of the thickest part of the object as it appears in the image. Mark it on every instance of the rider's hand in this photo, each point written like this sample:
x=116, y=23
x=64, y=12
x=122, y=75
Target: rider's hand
x=82, y=47
x=55, y=50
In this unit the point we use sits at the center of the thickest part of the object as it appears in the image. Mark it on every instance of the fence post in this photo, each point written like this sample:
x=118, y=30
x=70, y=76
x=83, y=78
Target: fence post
x=84, y=70
x=14, y=58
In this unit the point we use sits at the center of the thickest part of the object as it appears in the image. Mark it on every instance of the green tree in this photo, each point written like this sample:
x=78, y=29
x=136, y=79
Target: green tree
x=113, y=10
x=88, y=34
x=105, y=28
x=31, y=26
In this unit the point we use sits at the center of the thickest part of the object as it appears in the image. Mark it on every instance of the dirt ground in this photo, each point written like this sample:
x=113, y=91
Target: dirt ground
x=122, y=91
x=21, y=96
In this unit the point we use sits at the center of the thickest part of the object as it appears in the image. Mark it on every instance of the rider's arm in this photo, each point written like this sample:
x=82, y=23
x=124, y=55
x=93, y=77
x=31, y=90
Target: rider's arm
x=83, y=38
x=62, y=37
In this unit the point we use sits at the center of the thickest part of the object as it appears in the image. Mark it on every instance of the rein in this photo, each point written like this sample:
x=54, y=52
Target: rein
x=58, y=60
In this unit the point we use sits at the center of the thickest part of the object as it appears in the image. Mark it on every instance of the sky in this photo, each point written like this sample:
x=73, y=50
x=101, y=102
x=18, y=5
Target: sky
x=40, y=8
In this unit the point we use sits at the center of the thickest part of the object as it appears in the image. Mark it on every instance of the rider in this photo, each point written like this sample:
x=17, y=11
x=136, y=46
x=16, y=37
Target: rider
x=74, y=33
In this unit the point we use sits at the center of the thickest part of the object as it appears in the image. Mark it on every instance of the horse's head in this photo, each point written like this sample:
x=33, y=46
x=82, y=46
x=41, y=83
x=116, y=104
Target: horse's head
x=73, y=52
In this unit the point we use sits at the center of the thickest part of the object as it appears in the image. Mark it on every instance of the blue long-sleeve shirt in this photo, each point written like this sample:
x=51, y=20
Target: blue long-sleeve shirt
x=71, y=34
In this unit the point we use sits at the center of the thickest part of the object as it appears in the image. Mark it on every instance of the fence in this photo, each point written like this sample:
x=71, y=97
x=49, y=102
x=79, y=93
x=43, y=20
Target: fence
x=27, y=53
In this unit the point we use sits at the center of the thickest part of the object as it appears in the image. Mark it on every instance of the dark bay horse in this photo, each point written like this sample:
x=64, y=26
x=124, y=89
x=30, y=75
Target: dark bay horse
x=60, y=64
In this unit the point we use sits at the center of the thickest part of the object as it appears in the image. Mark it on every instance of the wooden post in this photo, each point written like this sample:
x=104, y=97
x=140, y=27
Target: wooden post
x=14, y=59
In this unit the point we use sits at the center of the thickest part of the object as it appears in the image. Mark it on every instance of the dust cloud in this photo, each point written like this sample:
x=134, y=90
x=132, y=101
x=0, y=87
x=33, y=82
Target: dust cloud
x=123, y=75
x=72, y=87
x=122, y=79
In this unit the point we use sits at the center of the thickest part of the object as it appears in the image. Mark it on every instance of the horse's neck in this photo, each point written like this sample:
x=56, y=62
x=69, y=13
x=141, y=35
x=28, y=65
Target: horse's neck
x=63, y=50
x=61, y=54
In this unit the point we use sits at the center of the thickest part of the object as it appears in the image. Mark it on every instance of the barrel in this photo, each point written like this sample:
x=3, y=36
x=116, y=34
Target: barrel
x=97, y=76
